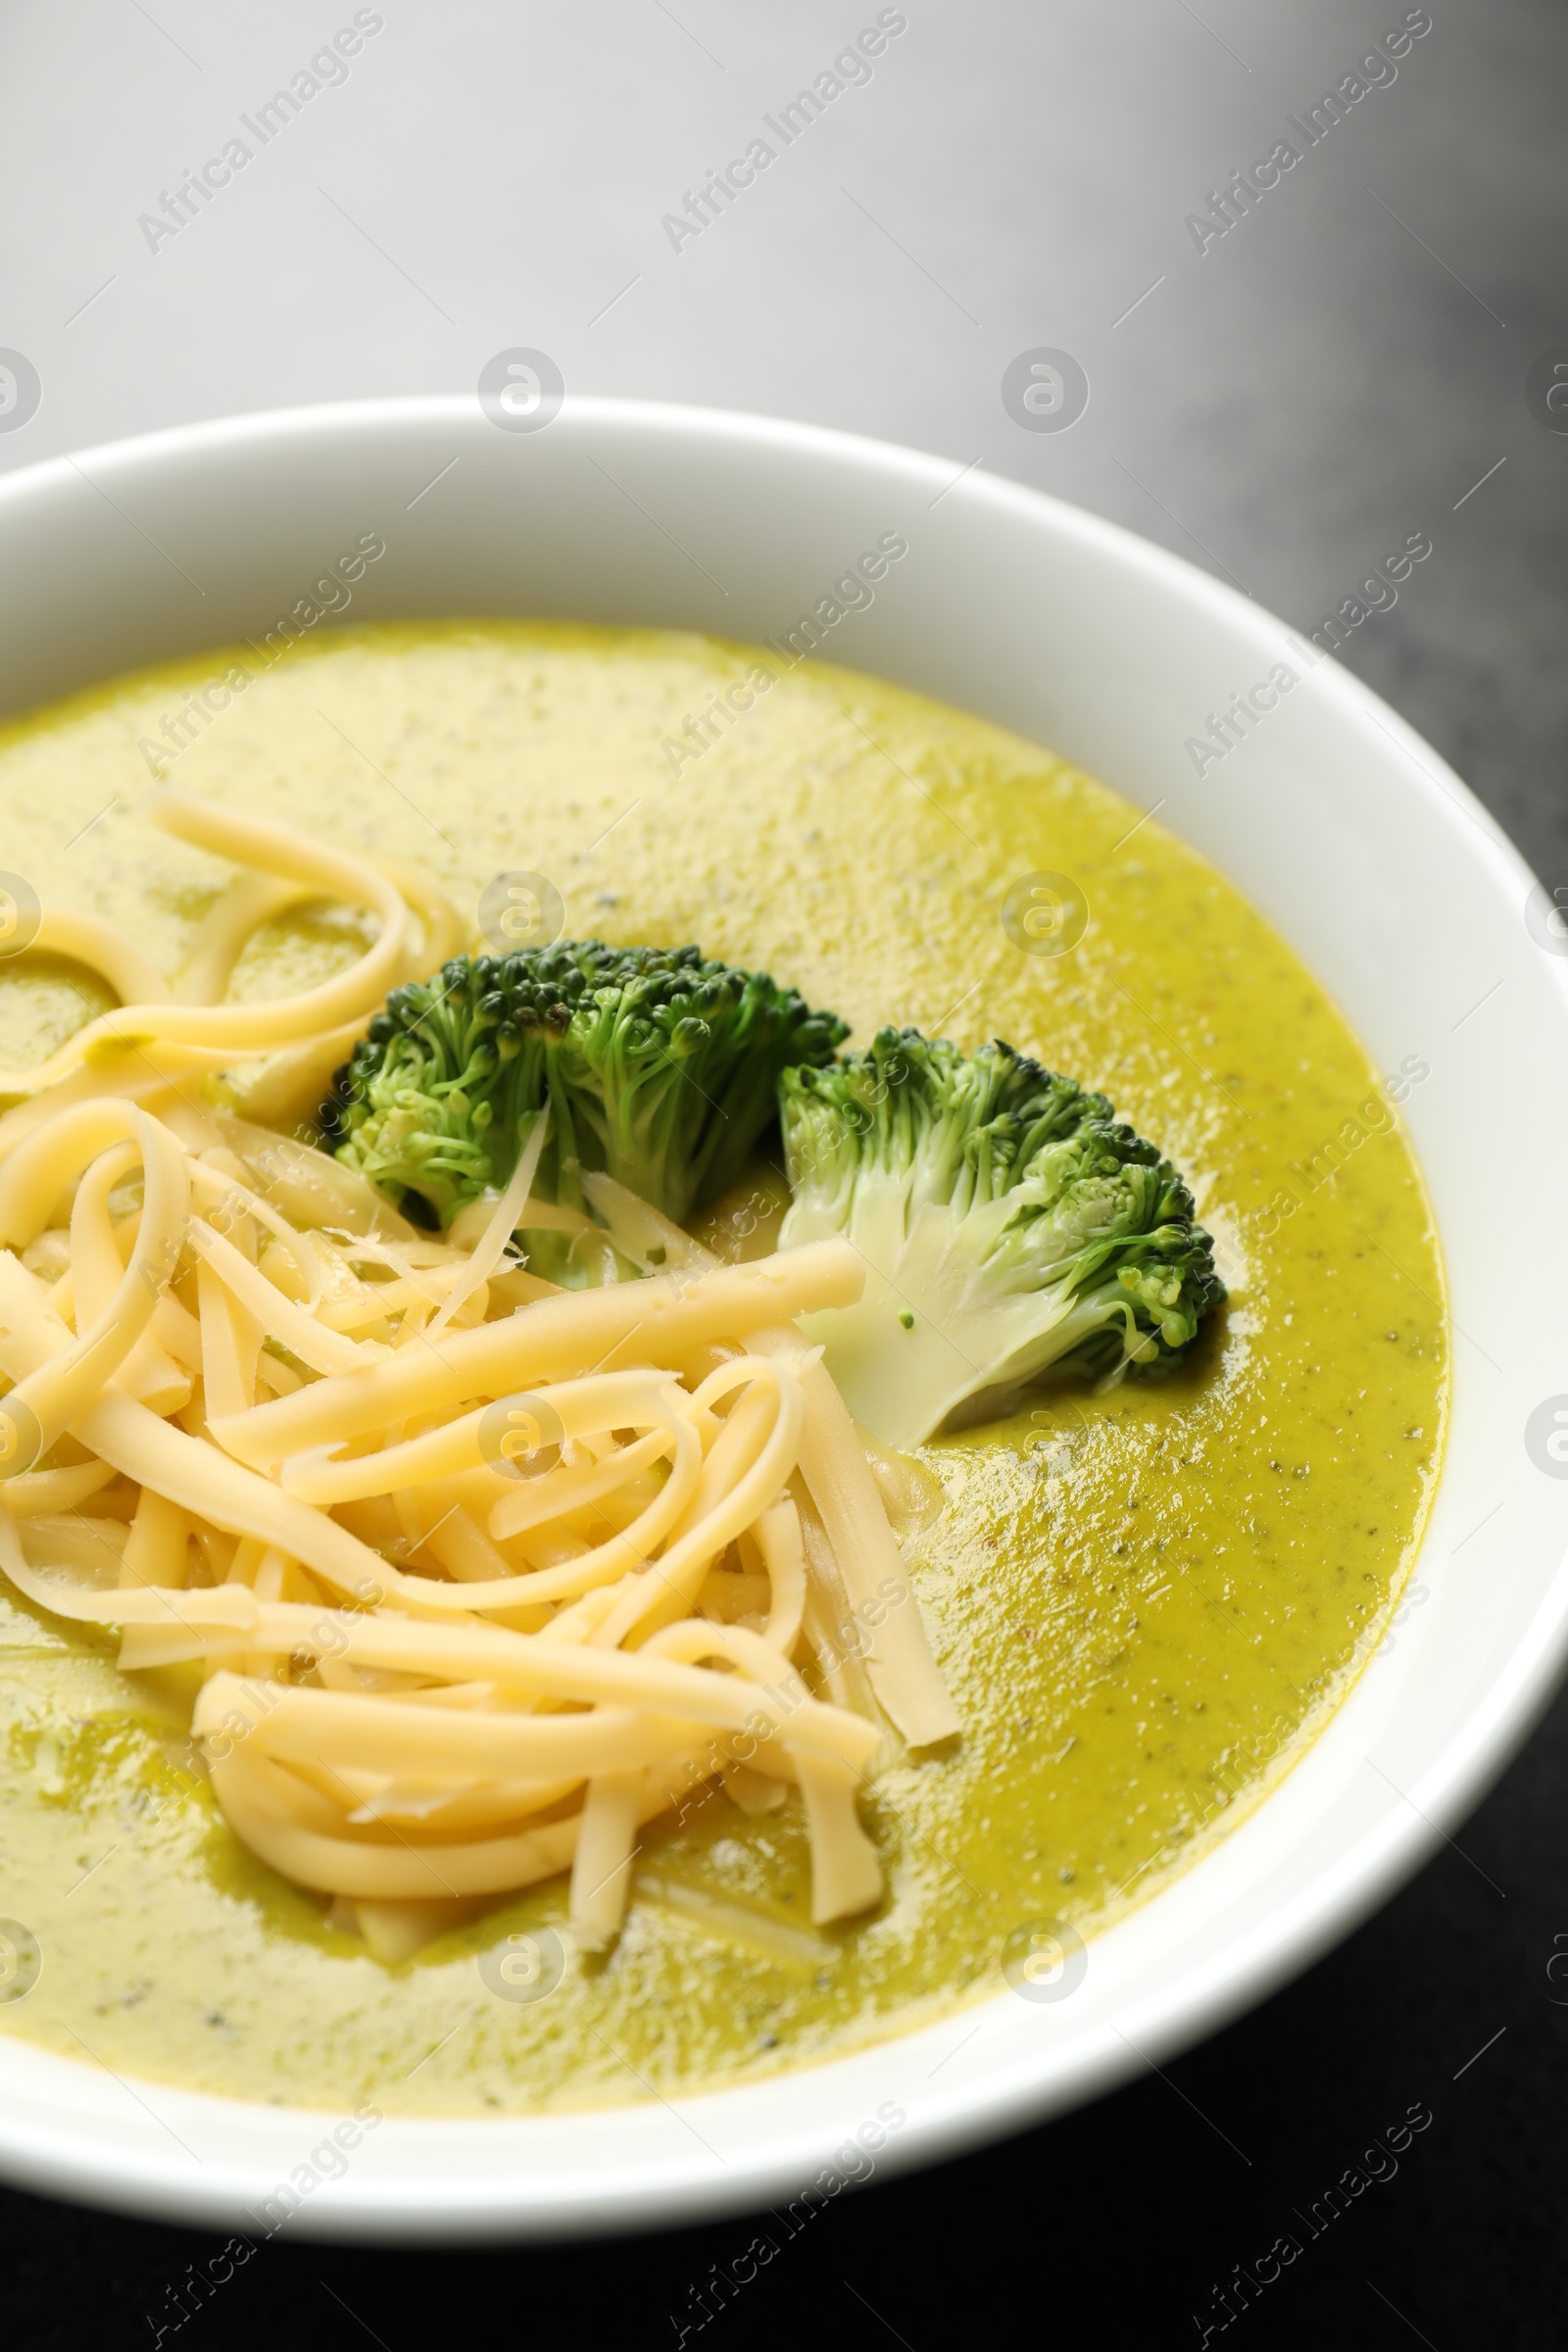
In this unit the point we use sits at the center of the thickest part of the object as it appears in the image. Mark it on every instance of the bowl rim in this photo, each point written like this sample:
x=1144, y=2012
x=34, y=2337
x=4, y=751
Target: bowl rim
x=406, y=2196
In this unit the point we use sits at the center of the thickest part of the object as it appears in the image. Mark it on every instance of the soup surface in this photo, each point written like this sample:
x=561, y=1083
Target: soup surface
x=1140, y=1601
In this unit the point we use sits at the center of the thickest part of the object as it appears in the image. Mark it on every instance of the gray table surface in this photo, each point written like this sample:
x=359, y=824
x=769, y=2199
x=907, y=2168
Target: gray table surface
x=1346, y=365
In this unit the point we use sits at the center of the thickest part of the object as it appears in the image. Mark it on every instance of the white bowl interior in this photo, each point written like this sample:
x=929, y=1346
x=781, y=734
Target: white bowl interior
x=1334, y=819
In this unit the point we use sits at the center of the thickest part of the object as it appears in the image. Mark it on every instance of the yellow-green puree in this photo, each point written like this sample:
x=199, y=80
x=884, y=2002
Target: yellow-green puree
x=1138, y=1599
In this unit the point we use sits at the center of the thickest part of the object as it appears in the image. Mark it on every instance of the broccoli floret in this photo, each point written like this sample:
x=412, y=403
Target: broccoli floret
x=1011, y=1225
x=659, y=1067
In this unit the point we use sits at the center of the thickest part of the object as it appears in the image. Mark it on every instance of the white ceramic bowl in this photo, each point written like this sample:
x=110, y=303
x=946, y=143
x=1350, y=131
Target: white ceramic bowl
x=1365, y=851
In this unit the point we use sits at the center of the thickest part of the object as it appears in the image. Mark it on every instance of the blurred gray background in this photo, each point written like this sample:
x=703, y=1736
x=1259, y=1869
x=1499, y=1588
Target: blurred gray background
x=1346, y=366
x=1335, y=371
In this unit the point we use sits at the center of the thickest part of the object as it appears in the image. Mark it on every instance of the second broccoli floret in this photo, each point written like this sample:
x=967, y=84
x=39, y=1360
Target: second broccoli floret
x=1011, y=1224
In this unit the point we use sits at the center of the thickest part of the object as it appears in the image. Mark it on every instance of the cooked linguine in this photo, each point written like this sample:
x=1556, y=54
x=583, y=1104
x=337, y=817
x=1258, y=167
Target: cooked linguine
x=480, y=1576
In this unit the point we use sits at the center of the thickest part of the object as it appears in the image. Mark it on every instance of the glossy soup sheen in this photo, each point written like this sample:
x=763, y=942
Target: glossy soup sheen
x=1139, y=1599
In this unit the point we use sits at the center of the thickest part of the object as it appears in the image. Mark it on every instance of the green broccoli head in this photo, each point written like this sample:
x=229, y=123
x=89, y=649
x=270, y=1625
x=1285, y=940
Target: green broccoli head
x=1012, y=1226
x=660, y=1066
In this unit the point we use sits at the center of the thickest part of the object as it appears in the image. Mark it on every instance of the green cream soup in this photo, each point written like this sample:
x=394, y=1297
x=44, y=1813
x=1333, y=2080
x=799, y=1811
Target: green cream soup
x=1142, y=1601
